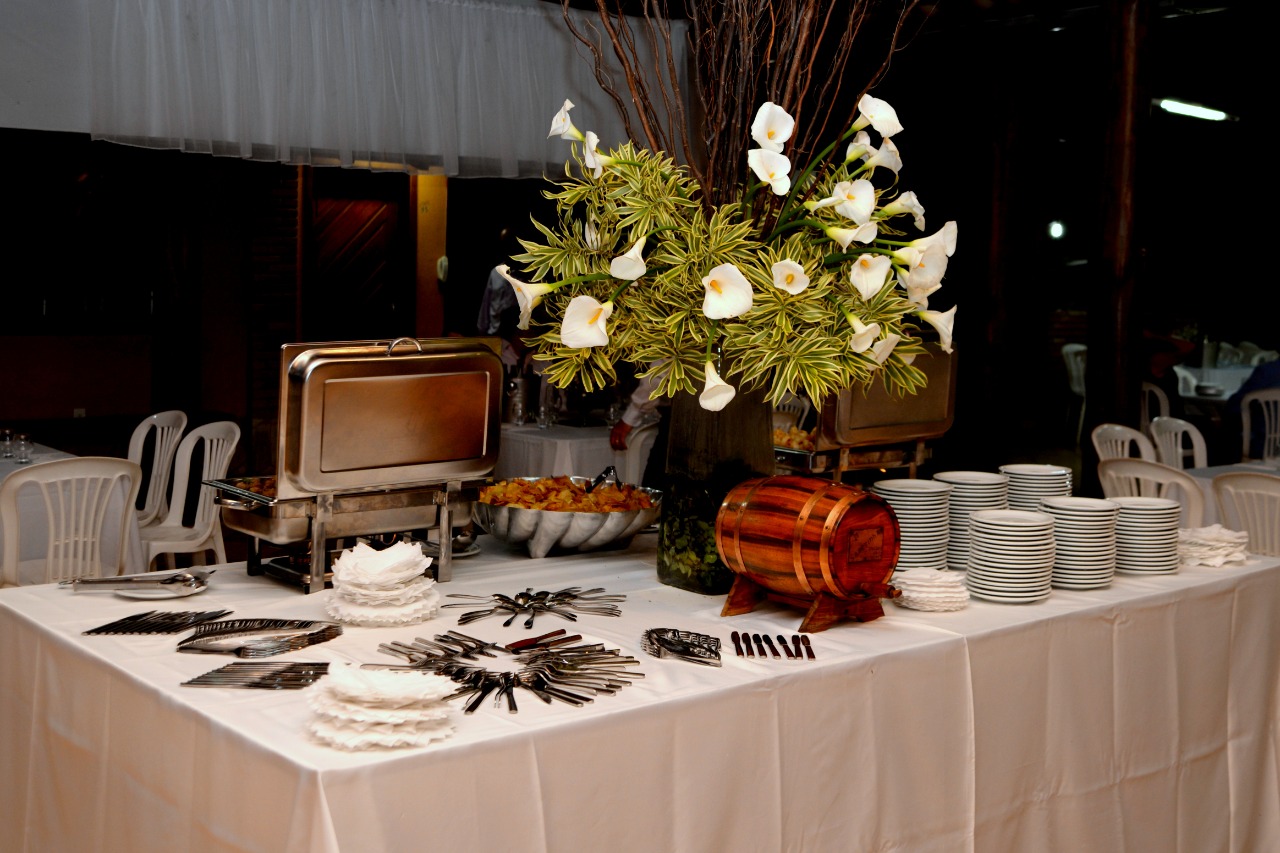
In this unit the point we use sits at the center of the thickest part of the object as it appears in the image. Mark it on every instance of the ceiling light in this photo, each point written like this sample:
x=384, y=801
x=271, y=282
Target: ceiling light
x=1194, y=110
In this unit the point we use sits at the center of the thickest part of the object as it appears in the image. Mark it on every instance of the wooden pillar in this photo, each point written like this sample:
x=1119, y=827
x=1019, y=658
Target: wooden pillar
x=1115, y=370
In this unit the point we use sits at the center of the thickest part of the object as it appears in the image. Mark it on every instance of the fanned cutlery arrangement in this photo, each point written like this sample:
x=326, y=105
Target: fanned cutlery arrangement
x=798, y=649
x=550, y=669
x=258, y=638
x=262, y=676
x=562, y=603
x=159, y=622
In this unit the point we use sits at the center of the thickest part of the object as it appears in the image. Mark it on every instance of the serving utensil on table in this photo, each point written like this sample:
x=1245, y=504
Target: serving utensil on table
x=194, y=579
x=251, y=638
x=262, y=676
x=159, y=622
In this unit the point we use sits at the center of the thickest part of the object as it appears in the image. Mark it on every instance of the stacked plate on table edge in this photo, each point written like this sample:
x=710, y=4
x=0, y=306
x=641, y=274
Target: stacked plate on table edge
x=1010, y=556
x=1030, y=482
x=1084, y=535
x=970, y=491
x=921, y=508
x=1147, y=535
x=354, y=708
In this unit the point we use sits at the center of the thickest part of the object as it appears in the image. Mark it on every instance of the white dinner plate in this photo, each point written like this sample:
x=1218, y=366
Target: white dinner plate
x=175, y=591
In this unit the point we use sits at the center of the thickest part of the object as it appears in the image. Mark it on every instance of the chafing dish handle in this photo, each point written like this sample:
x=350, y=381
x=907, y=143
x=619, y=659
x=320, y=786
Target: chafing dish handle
x=392, y=346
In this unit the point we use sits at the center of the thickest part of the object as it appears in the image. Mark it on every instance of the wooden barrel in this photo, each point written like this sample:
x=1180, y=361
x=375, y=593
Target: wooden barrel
x=802, y=536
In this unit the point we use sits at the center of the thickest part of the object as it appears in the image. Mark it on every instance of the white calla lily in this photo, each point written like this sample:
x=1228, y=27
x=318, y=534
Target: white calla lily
x=590, y=235
x=772, y=168
x=789, y=276
x=905, y=203
x=584, y=323
x=869, y=274
x=924, y=268
x=562, y=125
x=944, y=236
x=864, y=233
x=918, y=293
x=855, y=200
x=943, y=321
x=728, y=293
x=592, y=159
x=859, y=147
x=863, y=334
x=716, y=393
x=527, y=295
x=885, y=157
x=772, y=127
x=630, y=266
x=882, y=349
x=879, y=115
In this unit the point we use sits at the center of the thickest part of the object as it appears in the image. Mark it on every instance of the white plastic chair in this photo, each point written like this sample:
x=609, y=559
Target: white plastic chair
x=77, y=495
x=631, y=462
x=1187, y=381
x=1171, y=436
x=167, y=427
x=171, y=536
x=791, y=411
x=1075, y=356
x=1268, y=402
x=1142, y=478
x=1116, y=441
x=1251, y=502
x=1155, y=404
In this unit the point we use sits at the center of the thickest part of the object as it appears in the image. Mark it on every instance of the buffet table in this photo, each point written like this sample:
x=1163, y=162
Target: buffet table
x=529, y=451
x=1142, y=716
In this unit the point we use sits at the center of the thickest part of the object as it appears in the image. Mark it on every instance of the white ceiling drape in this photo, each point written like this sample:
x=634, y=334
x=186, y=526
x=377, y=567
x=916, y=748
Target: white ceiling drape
x=467, y=87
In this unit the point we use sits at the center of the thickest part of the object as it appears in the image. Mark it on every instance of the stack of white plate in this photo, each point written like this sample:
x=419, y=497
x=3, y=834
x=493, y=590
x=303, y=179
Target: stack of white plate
x=1084, y=535
x=970, y=491
x=1029, y=483
x=1010, y=555
x=1147, y=536
x=921, y=508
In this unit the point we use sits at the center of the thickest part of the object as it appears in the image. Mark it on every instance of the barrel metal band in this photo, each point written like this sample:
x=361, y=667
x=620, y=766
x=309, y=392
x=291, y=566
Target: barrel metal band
x=797, y=540
x=737, y=528
x=828, y=527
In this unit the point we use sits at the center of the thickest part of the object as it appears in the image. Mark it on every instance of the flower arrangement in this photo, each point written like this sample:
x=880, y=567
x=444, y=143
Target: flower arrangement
x=795, y=284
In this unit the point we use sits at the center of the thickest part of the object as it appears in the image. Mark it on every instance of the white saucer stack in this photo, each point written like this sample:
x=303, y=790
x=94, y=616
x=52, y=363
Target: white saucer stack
x=1030, y=482
x=382, y=588
x=1084, y=534
x=931, y=590
x=971, y=491
x=1010, y=556
x=1147, y=536
x=923, y=525
x=354, y=708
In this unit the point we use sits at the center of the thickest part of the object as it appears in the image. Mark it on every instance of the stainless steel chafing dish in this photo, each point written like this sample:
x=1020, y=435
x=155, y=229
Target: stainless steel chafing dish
x=374, y=438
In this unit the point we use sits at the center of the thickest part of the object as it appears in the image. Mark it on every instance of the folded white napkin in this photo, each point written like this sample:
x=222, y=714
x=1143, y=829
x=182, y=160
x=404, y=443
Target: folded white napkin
x=383, y=569
x=354, y=708
x=931, y=589
x=1214, y=546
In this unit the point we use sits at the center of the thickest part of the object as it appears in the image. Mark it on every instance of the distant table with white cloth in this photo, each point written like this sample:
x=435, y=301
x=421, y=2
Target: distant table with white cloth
x=35, y=527
x=529, y=451
x=1141, y=716
x=1204, y=476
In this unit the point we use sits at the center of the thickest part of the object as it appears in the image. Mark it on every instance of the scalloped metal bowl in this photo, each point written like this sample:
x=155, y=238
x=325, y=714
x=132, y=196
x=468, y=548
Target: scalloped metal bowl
x=545, y=529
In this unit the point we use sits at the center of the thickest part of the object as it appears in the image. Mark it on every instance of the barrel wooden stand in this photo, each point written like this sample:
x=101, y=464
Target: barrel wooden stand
x=823, y=547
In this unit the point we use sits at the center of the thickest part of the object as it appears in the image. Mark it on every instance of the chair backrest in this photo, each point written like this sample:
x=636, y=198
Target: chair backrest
x=1171, y=437
x=76, y=495
x=639, y=443
x=1075, y=356
x=1154, y=404
x=168, y=427
x=1187, y=380
x=1251, y=502
x=219, y=439
x=1267, y=402
x=1147, y=479
x=791, y=411
x=1116, y=441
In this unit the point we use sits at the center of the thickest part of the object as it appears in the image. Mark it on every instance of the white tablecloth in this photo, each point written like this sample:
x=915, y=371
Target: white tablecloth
x=1204, y=476
x=1145, y=716
x=33, y=540
x=527, y=451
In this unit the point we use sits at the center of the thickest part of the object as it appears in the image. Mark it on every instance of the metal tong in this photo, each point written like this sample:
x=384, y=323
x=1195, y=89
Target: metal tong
x=143, y=580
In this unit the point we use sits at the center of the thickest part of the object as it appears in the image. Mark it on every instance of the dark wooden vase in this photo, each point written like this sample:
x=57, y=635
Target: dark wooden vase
x=708, y=453
x=825, y=547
